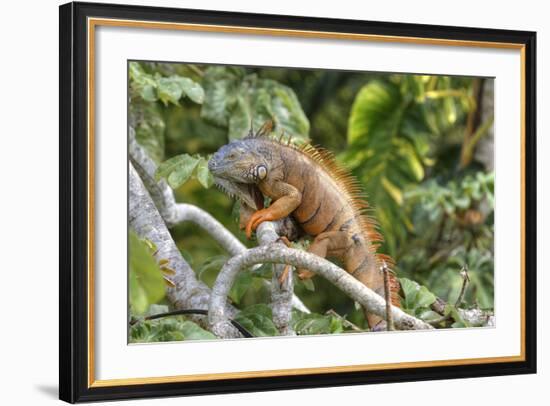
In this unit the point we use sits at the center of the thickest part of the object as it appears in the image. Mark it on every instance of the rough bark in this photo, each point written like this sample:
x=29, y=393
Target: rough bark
x=279, y=254
x=145, y=220
x=282, y=293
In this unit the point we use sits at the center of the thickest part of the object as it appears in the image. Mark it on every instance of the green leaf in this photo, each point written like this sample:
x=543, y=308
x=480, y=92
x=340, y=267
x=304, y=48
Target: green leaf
x=174, y=328
x=416, y=297
x=409, y=289
x=240, y=286
x=429, y=316
x=145, y=279
x=221, y=86
x=148, y=93
x=382, y=123
x=173, y=88
x=177, y=170
x=424, y=297
x=204, y=176
x=235, y=100
x=137, y=294
x=313, y=323
x=392, y=190
x=264, y=271
x=210, y=268
x=192, y=89
x=142, y=82
x=156, y=308
x=169, y=90
x=257, y=319
x=192, y=331
x=240, y=119
x=308, y=284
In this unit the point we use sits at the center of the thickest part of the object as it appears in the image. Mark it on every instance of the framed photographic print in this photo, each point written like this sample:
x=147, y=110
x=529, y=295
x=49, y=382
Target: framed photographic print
x=257, y=202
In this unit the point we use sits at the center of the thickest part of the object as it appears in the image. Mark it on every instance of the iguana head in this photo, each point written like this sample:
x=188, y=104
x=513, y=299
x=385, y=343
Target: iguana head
x=238, y=167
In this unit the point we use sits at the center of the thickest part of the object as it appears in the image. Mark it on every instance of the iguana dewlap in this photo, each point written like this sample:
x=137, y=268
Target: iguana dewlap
x=305, y=183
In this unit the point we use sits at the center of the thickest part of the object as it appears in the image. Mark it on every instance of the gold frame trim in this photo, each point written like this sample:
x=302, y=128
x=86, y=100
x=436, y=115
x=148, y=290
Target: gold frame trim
x=94, y=22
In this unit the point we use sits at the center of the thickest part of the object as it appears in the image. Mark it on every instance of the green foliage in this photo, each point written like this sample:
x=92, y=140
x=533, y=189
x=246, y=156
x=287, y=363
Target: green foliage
x=179, y=169
x=150, y=128
x=153, y=87
x=313, y=323
x=167, y=329
x=258, y=320
x=393, y=127
x=456, y=220
x=417, y=299
x=235, y=99
x=145, y=278
x=401, y=135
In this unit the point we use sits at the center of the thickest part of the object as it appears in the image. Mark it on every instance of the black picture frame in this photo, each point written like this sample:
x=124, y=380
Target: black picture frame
x=74, y=201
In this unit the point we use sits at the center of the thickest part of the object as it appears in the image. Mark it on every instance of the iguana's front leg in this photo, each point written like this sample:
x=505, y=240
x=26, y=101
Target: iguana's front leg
x=286, y=198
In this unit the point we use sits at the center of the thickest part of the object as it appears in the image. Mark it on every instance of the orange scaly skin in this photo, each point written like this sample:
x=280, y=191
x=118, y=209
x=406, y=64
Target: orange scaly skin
x=324, y=199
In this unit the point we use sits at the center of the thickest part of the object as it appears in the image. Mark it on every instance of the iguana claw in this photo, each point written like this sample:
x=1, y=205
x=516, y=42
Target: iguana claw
x=257, y=218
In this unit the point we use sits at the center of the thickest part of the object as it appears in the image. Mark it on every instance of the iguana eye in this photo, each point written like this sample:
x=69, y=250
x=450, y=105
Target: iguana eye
x=232, y=155
x=262, y=172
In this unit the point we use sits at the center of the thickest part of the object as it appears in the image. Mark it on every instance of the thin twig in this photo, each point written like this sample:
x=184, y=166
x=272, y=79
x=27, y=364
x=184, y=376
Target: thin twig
x=465, y=281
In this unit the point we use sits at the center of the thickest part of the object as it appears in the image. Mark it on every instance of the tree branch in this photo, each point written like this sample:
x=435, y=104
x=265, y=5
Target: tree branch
x=475, y=317
x=196, y=215
x=145, y=220
x=174, y=213
x=282, y=293
x=279, y=254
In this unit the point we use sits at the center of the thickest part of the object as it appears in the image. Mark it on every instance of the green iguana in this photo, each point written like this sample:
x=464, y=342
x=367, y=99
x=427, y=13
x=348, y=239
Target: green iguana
x=323, y=198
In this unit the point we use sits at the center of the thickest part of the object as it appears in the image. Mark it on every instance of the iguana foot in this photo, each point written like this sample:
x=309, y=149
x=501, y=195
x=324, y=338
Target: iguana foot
x=258, y=218
x=284, y=240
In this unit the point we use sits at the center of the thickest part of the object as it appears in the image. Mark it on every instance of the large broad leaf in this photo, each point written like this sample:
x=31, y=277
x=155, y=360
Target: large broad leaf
x=382, y=127
x=177, y=170
x=203, y=175
x=192, y=331
x=180, y=168
x=236, y=100
x=146, y=281
x=417, y=298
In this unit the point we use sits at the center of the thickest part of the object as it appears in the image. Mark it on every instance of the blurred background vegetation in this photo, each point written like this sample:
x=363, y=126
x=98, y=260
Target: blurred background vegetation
x=421, y=146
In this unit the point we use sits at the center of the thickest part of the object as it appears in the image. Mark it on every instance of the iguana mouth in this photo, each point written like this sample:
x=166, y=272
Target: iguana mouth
x=247, y=193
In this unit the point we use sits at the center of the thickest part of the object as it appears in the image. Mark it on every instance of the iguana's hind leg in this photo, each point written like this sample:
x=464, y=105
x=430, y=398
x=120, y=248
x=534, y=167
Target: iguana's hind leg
x=331, y=243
